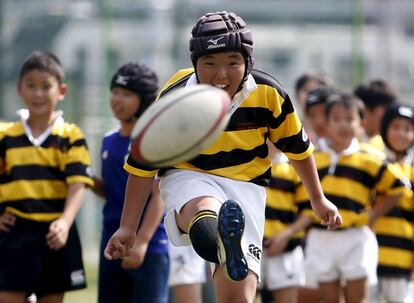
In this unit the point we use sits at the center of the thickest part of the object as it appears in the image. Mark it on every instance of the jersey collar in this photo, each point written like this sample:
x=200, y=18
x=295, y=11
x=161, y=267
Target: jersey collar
x=248, y=86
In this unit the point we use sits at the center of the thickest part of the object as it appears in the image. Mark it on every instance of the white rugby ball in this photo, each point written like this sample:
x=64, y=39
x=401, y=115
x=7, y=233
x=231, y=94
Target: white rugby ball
x=180, y=125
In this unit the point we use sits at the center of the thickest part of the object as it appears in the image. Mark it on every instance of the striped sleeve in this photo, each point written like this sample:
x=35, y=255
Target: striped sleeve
x=286, y=129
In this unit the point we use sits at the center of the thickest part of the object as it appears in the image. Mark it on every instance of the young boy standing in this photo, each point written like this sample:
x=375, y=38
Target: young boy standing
x=349, y=176
x=142, y=277
x=395, y=230
x=218, y=197
x=44, y=169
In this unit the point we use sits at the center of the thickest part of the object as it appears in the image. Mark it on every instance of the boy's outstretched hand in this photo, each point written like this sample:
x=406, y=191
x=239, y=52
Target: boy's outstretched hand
x=120, y=244
x=328, y=213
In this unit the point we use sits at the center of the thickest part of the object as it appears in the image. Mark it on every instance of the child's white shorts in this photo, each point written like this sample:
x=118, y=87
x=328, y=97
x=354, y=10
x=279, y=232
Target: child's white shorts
x=186, y=267
x=348, y=254
x=177, y=187
x=393, y=290
x=283, y=271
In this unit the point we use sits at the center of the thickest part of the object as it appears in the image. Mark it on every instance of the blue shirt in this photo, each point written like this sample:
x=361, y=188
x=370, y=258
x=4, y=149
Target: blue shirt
x=114, y=152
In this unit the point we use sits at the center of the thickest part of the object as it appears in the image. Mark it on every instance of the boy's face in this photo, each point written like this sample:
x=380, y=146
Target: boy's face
x=400, y=134
x=40, y=92
x=317, y=119
x=342, y=126
x=223, y=70
x=124, y=103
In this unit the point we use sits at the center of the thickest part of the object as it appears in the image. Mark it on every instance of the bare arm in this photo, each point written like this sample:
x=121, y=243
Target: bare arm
x=59, y=229
x=382, y=205
x=99, y=187
x=151, y=221
x=276, y=244
x=324, y=209
x=153, y=215
x=136, y=195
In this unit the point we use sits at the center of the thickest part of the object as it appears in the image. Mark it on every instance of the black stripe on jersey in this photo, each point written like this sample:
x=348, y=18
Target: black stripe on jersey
x=397, y=183
x=76, y=169
x=395, y=242
x=79, y=142
x=400, y=213
x=16, y=142
x=385, y=271
x=380, y=174
x=130, y=160
x=54, y=141
x=282, y=184
x=261, y=77
x=249, y=118
x=284, y=216
x=293, y=144
x=255, y=117
x=322, y=172
x=287, y=108
x=180, y=83
x=345, y=203
x=57, y=142
x=263, y=179
x=30, y=206
x=302, y=205
x=355, y=175
x=231, y=158
x=34, y=172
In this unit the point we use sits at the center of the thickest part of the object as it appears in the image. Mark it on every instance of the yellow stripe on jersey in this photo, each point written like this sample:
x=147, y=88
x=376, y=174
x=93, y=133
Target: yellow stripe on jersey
x=34, y=216
x=395, y=258
x=240, y=152
x=392, y=226
x=34, y=179
x=33, y=189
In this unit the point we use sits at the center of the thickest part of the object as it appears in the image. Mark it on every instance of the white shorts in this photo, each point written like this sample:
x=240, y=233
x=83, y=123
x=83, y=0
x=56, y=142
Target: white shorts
x=178, y=187
x=344, y=255
x=393, y=290
x=283, y=271
x=186, y=267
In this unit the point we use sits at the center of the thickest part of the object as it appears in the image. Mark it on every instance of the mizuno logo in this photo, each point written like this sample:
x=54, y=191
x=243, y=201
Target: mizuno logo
x=255, y=251
x=122, y=80
x=214, y=41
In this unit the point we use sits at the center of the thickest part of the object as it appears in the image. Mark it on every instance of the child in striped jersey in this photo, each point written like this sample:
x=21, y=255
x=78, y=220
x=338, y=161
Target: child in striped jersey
x=282, y=261
x=44, y=171
x=349, y=176
x=218, y=198
x=395, y=230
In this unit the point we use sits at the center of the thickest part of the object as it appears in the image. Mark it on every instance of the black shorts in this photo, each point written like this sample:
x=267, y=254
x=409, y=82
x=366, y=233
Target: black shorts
x=28, y=265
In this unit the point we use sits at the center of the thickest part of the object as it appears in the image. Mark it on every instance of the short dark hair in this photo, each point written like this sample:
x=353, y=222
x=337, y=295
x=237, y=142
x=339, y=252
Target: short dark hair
x=345, y=100
x=376, y=93
x=43, y=61
x=321, y=78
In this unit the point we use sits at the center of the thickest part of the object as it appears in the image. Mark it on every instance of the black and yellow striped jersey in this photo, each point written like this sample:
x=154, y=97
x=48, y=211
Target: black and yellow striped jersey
x=349, y=180
x=395, y=233
x=34, y=179
x=240, y=152
x=281, y=208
